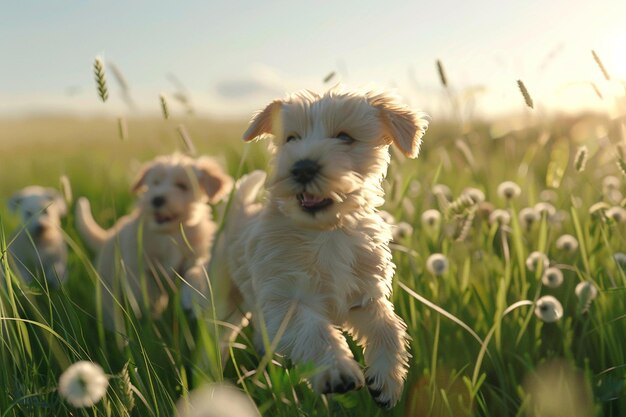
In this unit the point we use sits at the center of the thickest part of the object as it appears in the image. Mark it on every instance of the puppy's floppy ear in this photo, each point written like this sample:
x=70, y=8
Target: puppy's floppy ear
x=264, y=121
x=15, y=201
x=402, y=126
x=58, y=200
x=140, y=178
x=212, y=179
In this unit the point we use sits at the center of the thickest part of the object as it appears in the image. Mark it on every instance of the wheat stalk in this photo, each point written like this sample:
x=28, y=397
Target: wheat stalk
x=622, y=166
x=329, y=77
x=527, y=98
x=442, y=74
x=127, y=388
x=580, y=161
x=597, y=90
x=600, y=65
x=101, y=82
x=459, y=206
x=164, y=107
x=66, y=188
x=122, y=128
x=187, y=142
x=465, y=225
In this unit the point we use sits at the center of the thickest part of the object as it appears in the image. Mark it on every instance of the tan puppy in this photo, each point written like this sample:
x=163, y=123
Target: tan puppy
x=314, y=260
x=39, y=249
x=172, y=225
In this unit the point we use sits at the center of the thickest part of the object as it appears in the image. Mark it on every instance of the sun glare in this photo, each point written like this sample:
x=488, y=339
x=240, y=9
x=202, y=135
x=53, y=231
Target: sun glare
x=616, y=57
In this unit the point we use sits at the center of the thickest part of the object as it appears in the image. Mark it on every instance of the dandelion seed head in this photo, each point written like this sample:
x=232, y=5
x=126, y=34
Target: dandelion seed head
x=402, y=230
x=431, y=218
x=509, y=190
x=217, y=400
x=598, y=209
x=528, y=216
x=552, y=277
x=437, y=264
x=548, y=309
x=545, y=208
x=500, y=217
x=83, y=384
x=586, y=292
x=614, y=196
x=475, y=194
x=567, y=243
x=442, y=190
x=535, y=259
x=616, y=213
x=549, y=196
x=610, y=182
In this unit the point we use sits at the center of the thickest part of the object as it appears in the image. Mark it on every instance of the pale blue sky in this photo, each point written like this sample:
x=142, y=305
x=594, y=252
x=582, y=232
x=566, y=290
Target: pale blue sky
x=234, y=56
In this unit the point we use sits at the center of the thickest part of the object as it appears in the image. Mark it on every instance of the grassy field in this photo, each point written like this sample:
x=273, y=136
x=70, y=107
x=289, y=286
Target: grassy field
x=478, y=347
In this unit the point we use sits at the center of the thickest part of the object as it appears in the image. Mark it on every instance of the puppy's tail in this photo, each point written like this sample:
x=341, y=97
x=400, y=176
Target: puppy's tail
x=244, y=202
x=89, y=230
x=248, y=187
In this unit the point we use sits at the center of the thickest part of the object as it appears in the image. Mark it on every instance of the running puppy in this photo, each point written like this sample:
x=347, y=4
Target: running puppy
x=315, y=256
x=38, y=251
x=172, y=224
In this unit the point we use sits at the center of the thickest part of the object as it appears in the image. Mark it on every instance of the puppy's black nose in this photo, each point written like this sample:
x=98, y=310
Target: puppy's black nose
x=304, y=170
x=158, y=201
x=38, y=229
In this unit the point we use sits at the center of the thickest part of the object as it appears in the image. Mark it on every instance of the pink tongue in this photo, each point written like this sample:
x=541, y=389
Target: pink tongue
x=309, y=200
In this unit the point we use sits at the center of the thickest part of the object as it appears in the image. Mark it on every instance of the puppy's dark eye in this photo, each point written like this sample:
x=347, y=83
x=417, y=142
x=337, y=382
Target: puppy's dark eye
x=182, y=186
x=291, y=137
x=343, y=136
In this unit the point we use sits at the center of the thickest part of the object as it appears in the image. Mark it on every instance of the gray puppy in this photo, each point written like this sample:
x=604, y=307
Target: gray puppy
x=38, y=250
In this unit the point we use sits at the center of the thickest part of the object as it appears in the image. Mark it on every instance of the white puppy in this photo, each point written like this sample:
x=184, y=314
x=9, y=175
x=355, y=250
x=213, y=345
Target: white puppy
x=314, y=260
x=170, y=231
x=38, y=250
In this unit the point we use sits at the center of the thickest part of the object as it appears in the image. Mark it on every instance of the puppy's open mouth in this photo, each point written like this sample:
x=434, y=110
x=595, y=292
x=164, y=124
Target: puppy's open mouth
x=162, y=218
x=313, y=204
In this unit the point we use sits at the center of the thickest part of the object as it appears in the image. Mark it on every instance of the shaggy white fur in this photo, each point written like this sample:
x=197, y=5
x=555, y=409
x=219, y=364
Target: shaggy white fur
x=169, y=232
x=314, y=260
x=38, y=250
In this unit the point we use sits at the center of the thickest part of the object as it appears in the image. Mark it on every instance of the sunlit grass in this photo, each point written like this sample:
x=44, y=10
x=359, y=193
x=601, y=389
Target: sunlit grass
x=478, y=347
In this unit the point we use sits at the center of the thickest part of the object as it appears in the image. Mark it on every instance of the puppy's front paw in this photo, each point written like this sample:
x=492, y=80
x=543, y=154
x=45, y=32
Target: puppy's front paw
x=385, y=387
x=340, y=377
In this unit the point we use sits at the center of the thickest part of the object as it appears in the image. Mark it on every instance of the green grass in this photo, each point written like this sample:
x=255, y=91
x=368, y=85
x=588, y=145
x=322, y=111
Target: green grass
x=477, y=346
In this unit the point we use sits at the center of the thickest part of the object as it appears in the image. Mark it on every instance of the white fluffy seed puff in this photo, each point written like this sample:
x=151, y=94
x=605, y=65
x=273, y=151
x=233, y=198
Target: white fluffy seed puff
x=83, y=384
x=437, y=264
x=431, y=218
x=548, y=309
x=535, y=259
x=499, y=217
x=567, y=243
x=217, y=400
x=528, y=216
x=586, y=291
x=552, y=278
x=509, y=190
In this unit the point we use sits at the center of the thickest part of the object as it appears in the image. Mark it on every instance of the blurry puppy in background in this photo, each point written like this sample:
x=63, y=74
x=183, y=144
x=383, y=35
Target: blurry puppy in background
x=38, y=251
x=314, y=259
x=169, y=232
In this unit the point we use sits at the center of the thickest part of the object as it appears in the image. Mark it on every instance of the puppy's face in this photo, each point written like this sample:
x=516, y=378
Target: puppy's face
x=40, y=209
x=174, y=190
x=331, y=151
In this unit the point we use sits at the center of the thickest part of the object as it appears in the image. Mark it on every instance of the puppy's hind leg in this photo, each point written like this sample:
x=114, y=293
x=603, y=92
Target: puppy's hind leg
x=384, y=339
x=308, y=337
